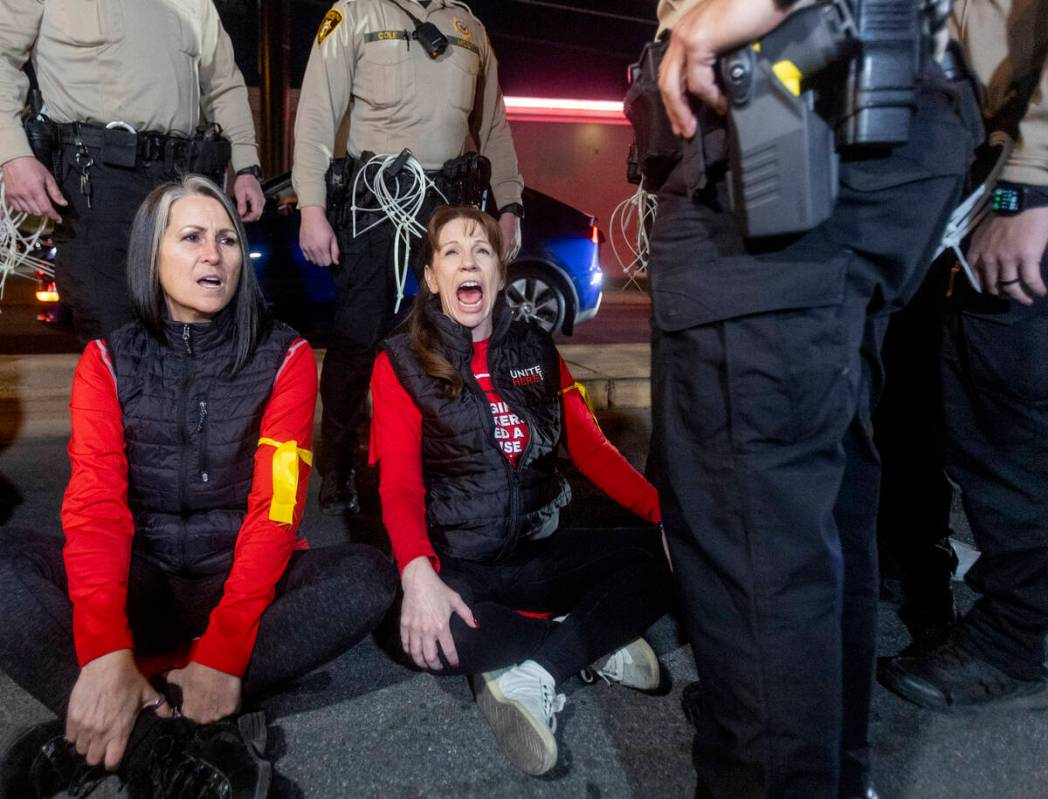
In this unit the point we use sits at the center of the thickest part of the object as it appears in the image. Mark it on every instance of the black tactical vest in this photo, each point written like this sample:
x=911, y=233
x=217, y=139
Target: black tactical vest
x=477, y=505
x=191, y=431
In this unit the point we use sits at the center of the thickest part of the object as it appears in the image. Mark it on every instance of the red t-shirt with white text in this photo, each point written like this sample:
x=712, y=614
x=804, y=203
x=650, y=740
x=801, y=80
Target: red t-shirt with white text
x=511, y=432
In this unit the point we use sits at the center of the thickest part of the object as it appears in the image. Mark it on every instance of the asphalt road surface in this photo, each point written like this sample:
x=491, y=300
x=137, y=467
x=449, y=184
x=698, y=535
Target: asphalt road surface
x=367, y=726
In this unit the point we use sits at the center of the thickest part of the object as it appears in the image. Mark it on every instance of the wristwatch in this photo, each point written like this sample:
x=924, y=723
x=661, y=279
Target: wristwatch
x=255, y=171
x=1010, y=199
x=512, y=208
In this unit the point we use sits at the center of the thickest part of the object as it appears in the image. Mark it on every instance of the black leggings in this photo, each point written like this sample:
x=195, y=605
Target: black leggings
x=327, y=600
x=613, y=584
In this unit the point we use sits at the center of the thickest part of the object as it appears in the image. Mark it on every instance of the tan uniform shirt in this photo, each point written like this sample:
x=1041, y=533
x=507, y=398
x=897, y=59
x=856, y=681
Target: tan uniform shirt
x=399, y=97
x=155, y=64
x=1006, y=42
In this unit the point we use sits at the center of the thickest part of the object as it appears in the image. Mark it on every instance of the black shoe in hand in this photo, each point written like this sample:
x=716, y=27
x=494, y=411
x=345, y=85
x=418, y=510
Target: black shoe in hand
x=211, y=761
x=950, y=679
x=41, y=763
x=338, y=494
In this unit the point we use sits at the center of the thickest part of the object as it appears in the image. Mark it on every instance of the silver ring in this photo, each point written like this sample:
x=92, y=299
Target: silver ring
x=154, y=704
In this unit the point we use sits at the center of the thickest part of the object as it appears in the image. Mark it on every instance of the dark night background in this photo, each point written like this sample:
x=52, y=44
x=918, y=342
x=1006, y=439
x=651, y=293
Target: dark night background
x=545, y=49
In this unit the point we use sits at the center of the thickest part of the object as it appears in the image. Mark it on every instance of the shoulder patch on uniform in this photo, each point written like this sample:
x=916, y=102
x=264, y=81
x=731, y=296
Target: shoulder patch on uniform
x=332, y=19
x=460, y=26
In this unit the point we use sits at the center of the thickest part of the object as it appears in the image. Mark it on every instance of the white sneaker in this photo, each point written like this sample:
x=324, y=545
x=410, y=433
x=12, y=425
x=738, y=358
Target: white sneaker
x=635, y=666
x=520, y=704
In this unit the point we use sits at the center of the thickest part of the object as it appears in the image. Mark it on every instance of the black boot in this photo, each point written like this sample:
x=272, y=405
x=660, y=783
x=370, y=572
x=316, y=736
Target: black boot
x=40, y=763
x=338, y=494
x=951, y=679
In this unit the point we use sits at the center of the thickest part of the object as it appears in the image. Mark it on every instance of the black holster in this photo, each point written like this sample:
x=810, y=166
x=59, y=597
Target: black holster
x=656, y=149
x=465, y=180
x=209, y=153
x=45, y=140
x=338, y=180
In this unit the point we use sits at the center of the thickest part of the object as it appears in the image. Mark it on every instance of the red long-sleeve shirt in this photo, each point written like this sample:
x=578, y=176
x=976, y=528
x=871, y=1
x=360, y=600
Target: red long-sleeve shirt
x=396, y=445
x=99, y=528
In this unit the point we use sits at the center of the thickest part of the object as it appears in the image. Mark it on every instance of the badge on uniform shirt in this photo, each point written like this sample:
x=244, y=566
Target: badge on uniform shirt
x=332, y=19
x=463, y=29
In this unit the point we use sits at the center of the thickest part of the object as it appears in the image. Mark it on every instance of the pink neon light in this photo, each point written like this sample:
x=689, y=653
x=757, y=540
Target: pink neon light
x=542, y=109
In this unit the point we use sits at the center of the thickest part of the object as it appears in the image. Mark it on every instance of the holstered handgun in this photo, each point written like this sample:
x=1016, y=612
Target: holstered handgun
x=210, y=153
x=465, y=180
x=338, y=180
x=45, y=137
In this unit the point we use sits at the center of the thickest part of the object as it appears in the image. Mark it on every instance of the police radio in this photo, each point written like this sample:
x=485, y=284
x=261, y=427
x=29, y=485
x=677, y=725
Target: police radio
x=428, y=35
x=789, y=114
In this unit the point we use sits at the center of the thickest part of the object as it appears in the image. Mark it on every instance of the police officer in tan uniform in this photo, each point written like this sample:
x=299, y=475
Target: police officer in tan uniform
x=153, y=65
x=367, y=59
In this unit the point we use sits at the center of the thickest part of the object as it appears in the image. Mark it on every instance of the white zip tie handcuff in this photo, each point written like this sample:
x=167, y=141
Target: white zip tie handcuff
x=400, y=200
x=630, y=225
x=16, y=247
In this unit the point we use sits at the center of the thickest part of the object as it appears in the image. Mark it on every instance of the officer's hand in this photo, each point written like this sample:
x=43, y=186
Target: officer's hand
x=250, y=199
x=425, y=615
x=689, y=66
x=31, y=188
x=106, y=700
x=316, y=238
x=1007, y=251
x=208, y=695
x=510, y=227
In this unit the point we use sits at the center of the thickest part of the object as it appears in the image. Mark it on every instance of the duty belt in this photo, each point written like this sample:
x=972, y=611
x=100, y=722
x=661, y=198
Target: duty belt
x=121, y=147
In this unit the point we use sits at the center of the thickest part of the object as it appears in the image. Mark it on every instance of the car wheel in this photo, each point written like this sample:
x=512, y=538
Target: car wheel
x=535, y=295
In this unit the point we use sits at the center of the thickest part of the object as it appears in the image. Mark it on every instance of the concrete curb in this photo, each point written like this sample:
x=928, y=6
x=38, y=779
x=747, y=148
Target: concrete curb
x=34, y=389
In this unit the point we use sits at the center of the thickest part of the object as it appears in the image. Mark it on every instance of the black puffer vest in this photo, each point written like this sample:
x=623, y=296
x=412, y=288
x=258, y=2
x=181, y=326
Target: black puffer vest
x=191, y=431
x=478, y=506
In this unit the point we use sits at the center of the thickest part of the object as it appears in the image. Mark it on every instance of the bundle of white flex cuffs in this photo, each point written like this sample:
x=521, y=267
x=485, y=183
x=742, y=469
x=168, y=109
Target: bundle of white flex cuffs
x=17, y=246
x=973, y=210
x=399, y=198
x=629, y=229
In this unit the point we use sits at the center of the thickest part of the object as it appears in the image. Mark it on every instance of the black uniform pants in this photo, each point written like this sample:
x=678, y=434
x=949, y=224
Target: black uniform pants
x=327, y=600
x=913, y=521
x=91, y=270
x=995, y=379
x=365, y=292
x=365, y=298
x=613, y=584
x=765, y=355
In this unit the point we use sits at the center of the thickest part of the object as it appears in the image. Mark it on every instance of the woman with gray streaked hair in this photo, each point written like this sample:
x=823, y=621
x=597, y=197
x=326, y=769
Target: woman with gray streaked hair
x=184, y=587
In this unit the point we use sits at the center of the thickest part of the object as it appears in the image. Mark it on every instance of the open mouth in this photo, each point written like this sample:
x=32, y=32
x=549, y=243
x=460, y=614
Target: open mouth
x=210, y=282
x=470, y=295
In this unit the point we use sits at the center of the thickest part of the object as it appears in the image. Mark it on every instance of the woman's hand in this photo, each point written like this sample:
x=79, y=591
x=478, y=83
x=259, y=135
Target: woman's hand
x=426, y=614
x=208, y=695
x=106, y=700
